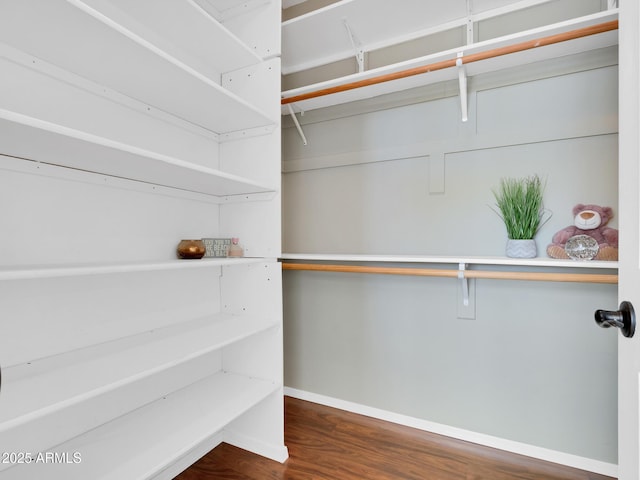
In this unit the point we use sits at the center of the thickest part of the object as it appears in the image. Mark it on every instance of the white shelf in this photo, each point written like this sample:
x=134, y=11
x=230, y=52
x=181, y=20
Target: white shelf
x=82, y=40
x=52, y=271
x=42, y=387
x=562, y=49
x=35, y=139
x=443, y=259
x=321, y=37
x=185, y=26
x=141, y=444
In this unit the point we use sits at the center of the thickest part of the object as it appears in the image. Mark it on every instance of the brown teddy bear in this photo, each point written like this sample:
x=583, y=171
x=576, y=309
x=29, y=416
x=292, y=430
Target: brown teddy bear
x=588, y=220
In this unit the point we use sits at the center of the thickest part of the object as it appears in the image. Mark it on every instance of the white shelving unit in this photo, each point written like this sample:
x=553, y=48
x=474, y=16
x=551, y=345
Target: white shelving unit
x=394, y=22
x=147, y=442
x=325, y=20
x=129, y=126
x=120, y=59
x=348, y=28
x=209, y=44
x=123, y=361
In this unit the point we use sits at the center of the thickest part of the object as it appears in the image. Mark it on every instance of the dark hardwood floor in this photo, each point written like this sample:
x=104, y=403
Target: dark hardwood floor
x=329, y=444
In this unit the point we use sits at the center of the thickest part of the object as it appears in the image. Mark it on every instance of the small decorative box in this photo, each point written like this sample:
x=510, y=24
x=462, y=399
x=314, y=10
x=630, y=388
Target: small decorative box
x=216, y=247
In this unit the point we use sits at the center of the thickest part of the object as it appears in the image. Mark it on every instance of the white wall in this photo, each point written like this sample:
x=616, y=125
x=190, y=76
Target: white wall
x=403, y=175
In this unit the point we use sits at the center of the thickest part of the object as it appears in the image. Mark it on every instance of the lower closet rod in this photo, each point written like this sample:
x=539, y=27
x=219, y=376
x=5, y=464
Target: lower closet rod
x=433, y=272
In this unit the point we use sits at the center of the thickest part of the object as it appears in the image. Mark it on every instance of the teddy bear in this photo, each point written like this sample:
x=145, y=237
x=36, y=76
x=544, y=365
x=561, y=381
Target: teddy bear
x=588, y=220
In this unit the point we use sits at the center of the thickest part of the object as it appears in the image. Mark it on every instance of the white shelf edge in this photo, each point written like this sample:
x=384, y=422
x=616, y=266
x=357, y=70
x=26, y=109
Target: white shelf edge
x=436, y=76
x=314, y=13
x=445, y=259
x=54, y=271
x=489, y=13
x=106, y=154
x=148, y=440
x=27, y=393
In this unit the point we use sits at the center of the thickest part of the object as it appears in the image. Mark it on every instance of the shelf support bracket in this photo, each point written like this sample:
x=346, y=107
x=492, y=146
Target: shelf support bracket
x=466, y=294
x=356, y=45
x=465, y=284
x=462, y=80
x=296, y=123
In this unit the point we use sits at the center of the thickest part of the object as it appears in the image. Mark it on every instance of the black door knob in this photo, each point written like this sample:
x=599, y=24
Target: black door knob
x=624, y=319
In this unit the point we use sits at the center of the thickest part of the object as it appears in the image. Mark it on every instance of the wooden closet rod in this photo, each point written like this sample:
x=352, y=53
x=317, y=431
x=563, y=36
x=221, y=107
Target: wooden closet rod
x=474, y=57
x=433, y=272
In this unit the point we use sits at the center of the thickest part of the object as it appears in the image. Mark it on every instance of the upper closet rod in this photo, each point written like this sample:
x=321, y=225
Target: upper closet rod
x=467, y=274
x=474, y=57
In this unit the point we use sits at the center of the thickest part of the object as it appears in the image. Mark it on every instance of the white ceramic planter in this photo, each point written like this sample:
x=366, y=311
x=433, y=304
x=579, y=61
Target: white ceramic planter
x=521, y=248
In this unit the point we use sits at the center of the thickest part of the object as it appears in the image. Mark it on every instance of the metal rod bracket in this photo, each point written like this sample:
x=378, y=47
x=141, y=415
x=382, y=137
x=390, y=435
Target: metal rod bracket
x=357, y=46
x=296, y=123
x=462, y=80
x=465, y=284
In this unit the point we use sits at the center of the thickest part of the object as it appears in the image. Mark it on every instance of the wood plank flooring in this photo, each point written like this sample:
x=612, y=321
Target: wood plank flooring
x=329, y=444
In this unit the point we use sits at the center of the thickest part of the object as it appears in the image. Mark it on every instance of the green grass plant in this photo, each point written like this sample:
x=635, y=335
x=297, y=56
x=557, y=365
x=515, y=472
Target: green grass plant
x=519, y=202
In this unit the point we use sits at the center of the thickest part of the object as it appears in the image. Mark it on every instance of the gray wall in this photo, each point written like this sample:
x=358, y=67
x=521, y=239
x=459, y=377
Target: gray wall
x=402, y=175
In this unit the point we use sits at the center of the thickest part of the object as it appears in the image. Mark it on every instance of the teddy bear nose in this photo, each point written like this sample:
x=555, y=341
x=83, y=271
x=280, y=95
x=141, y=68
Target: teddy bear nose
x=587, y=215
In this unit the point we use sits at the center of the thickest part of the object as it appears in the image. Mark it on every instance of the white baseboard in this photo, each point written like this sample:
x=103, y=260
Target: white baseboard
x=278, y=453
x=189, y=458
x=540, y=453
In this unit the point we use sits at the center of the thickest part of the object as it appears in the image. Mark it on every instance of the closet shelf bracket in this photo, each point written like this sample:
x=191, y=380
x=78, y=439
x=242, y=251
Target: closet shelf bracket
x=462, y=80
x=296, y=123
x=357, y=46
x=465, y=283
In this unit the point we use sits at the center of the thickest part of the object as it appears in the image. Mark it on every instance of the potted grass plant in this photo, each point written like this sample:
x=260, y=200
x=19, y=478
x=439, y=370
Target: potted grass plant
x=519, y=204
